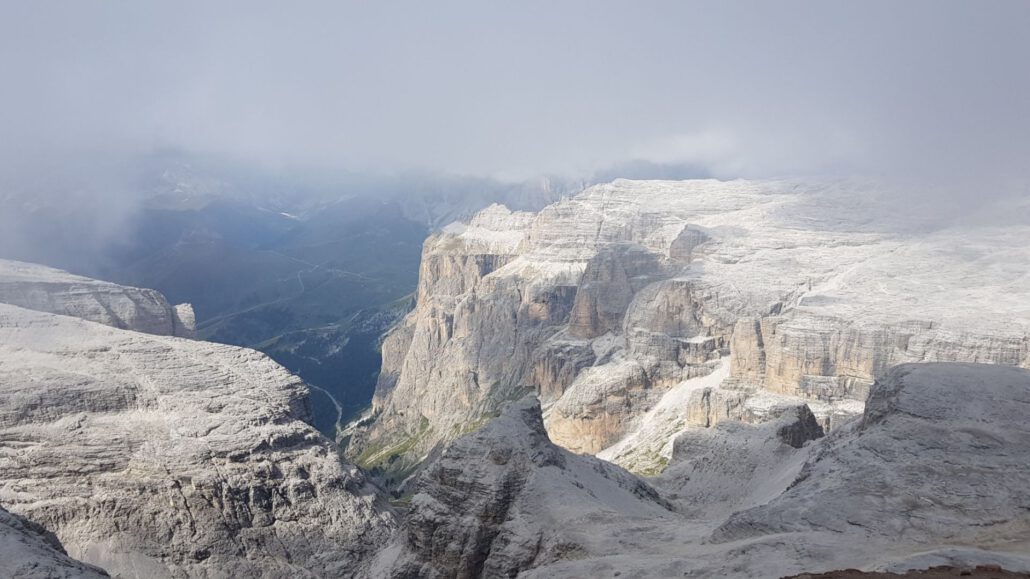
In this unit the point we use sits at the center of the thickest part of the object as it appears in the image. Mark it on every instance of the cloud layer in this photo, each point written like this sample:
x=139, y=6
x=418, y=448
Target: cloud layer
x=919, y=89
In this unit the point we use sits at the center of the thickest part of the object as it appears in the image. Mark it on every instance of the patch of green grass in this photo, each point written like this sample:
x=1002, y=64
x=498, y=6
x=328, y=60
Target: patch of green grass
x=463, y=429
x=385, y=452
x=656, y=465
x=402, y=501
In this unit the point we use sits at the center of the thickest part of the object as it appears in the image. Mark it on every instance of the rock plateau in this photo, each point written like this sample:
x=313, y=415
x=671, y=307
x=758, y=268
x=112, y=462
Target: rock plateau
x=156, y=456
x=637, y=309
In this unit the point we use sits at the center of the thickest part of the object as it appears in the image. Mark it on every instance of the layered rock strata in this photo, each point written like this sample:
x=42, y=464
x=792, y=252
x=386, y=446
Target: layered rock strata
x=496, y=503
x=155, y=456
x=933, y=473
x=608, y=302
x=944, y=454
x=46, y=289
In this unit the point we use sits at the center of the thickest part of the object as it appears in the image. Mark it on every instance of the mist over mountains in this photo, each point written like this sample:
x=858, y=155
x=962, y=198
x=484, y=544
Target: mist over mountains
x=311, y=267
x=467, y=290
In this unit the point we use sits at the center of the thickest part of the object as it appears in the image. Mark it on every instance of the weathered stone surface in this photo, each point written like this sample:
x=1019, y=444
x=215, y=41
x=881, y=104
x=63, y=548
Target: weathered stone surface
x=938, y=572
x=686, y=243
x=161, y=457
x=933, y=473
x=606, y=289
x=607, y=302
x=488, y=506
x=28, y=551
x=734, y=465
x=45, y=289
x=942, y=453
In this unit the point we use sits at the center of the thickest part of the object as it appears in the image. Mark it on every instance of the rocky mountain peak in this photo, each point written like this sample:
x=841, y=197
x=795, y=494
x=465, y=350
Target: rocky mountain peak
x=619, y=307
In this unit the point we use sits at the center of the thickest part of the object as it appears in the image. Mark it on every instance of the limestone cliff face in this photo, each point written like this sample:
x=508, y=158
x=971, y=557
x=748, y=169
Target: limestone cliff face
x=149, y=455
x=632, y=293
x=45, y=289
x=487, y=506
x=826, y=358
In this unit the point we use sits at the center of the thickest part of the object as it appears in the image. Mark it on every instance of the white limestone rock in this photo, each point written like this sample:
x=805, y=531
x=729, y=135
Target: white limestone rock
x=505, y=499
x=37, y=287
x=935, y=472
x=160, y=457
x=944, y=455
x=605, y=302
x=735, y=465
x=28, y=551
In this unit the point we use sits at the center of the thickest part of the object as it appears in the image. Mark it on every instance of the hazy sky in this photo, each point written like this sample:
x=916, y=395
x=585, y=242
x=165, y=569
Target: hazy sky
x=515, y=89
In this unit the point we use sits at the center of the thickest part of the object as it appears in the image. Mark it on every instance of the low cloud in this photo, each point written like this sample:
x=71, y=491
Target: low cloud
x=922, y=90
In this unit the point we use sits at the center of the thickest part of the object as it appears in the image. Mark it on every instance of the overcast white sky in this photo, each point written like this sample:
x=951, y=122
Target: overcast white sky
x=514, y=89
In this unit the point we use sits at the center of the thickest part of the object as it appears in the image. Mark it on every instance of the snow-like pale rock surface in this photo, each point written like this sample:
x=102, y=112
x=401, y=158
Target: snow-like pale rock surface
x=936, y=471
x=27, y=551
x=653, y=440
x=46, y=289
x=944, y=454
x=505, y=498
x=157, y=456
x=614, y=300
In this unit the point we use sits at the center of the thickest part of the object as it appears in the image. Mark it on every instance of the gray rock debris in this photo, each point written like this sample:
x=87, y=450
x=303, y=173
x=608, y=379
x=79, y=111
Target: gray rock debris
x=611, y=301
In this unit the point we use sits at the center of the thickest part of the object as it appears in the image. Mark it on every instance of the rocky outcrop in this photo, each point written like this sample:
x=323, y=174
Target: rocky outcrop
x=154, y=456
x=943, y=452
x=734, y=465
x=491, y=504
x=939, y=572
x=625, y=295
x=606, y=288
x=45, y=289
x=28, y=551
x=933, y=473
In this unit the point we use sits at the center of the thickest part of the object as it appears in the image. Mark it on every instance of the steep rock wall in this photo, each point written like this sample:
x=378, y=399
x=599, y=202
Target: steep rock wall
x=609, y=302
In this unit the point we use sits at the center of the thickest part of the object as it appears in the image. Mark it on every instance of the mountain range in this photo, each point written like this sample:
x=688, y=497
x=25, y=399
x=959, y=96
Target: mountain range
x=643, y=379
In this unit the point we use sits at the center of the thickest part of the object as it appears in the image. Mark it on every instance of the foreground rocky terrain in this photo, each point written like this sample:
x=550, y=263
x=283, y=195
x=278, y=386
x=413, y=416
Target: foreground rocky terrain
x=737, y=356
x=506, y=498
x=935, y=472
x=156, y=456
x=637, y=309
x=28, y=550
x=939, y=572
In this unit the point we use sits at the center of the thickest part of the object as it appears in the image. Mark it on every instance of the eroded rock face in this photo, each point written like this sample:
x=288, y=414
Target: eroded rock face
x=943, y=451
x=938, y=572
x=735, y=465
x=606, y=288
x=155, y=456
x=612, y=301
x=46, y=289
x=28, y=551
x=933, y=473
x=488, y=506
